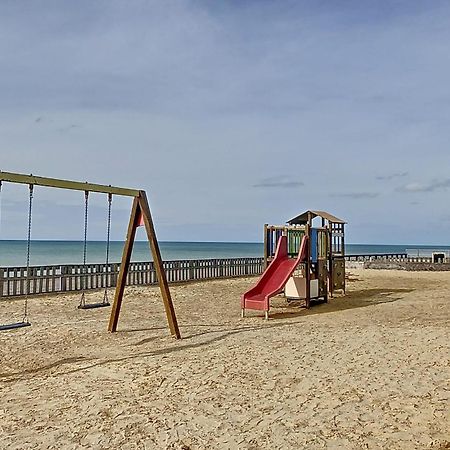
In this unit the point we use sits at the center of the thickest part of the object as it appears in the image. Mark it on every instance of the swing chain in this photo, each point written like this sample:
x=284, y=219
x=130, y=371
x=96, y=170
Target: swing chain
x=83, y=279
x=86, y=205
x=1, y=204
x=108, y=236
x=27, y=289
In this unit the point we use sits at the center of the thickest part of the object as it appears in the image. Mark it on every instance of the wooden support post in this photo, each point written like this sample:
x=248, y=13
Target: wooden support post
x=157, y=260
x=266, y=243
x=330, y=260
x=308, y=267
x=140, y=209
x=124, y=265
x=343, y=251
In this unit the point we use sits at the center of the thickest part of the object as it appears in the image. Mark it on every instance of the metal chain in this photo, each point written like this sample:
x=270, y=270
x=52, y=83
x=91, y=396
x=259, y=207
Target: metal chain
x=27, y=290
x=1, y=206
x=108, y=236
x=83, y=279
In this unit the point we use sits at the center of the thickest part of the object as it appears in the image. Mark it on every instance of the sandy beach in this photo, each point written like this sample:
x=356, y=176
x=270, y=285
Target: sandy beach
x=368, y=370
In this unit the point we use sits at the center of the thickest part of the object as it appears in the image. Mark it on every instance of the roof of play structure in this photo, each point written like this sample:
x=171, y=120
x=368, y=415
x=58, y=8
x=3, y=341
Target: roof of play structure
x=303, y=218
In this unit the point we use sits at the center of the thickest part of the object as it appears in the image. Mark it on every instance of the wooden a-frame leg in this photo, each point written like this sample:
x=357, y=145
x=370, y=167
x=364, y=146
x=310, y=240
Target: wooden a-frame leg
x=124, y=265
x=141, y=207
x=157, y=260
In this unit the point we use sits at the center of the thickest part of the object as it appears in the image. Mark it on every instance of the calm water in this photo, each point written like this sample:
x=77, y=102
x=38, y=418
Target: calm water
x=13, y=253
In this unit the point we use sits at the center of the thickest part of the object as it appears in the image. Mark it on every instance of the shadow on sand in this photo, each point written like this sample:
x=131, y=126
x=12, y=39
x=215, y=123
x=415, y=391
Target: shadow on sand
x=354, y=299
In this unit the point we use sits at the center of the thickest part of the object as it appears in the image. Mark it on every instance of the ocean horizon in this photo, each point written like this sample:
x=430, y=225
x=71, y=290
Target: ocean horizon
x=53, y=252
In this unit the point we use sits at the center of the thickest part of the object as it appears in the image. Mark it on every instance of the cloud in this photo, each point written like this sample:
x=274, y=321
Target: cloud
x=432, y=186
x=69, y=127
x=279, y=182
x=235, y=88
x=392, y=176
x=63, y=128
x=356, y=195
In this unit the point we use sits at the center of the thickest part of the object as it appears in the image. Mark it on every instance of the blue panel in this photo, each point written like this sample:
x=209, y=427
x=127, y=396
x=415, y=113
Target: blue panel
x=314, y=245
x=279, y=234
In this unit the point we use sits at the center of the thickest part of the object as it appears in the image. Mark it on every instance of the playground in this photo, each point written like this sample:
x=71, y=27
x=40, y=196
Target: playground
x=368, y=370
x=347, y=360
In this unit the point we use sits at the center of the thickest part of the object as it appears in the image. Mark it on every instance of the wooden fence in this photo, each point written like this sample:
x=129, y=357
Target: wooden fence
x=392, y=257
x=64, y=278
x=375, y=256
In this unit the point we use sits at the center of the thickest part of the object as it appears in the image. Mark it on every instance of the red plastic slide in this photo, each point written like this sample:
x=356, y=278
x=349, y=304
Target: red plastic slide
x=274, y=278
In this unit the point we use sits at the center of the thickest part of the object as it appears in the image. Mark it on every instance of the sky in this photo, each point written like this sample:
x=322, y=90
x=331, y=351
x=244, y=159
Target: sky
x=229, y=114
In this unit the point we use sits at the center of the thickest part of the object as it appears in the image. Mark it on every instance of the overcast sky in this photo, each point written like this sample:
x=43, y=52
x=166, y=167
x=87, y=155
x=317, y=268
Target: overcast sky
x=230, y=114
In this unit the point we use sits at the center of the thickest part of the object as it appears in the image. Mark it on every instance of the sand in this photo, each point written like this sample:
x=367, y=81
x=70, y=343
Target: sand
x=369, y=370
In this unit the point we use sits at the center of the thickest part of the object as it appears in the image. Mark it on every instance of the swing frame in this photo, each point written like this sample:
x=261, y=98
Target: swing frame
x=140, y=211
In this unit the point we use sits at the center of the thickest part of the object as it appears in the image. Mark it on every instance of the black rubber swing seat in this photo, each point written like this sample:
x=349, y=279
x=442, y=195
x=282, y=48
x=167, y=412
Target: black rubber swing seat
x=13, y=326
x=93, y=305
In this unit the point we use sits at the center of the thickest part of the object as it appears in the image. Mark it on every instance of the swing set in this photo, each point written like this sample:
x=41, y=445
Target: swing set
x=140, y=216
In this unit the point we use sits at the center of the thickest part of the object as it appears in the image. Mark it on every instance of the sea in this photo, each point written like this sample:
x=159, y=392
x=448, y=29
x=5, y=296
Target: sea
x=13, y=253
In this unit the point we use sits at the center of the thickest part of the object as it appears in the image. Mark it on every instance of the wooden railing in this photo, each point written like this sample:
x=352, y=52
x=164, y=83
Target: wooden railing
x=375, y=256
x=64, y=278
x=392, y=257
x=419, y=259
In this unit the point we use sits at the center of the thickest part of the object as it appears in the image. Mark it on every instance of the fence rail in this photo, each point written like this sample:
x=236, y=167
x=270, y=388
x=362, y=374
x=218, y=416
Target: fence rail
x=65, y=278
x=393, y=257
x=375, y=256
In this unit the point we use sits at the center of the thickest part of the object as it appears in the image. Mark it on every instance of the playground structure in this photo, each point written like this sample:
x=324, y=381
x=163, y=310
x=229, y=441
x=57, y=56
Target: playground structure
x=140, y=216
x=306, y=260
